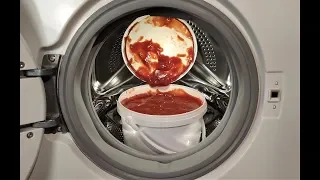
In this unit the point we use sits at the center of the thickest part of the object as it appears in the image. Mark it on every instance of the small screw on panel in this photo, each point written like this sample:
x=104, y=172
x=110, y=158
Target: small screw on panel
x=22, y=64
x=30, y=135
x=274, y=106
x=52, y=58
x=276, y=83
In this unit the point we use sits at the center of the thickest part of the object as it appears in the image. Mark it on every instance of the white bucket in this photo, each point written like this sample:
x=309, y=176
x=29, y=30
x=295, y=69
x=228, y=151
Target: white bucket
x=162, y=134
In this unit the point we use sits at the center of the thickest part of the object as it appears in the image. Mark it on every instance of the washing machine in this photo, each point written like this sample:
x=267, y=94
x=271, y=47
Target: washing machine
x=72, y=71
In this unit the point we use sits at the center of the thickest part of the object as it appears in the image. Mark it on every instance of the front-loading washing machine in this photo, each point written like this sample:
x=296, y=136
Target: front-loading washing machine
x=72, y=72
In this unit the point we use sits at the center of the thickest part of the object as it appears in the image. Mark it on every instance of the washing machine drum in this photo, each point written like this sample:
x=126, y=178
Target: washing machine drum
x=92, y=75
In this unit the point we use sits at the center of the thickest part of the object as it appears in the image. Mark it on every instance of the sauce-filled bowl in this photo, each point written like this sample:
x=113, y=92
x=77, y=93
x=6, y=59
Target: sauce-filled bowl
x=162, y=132
x=159, y=50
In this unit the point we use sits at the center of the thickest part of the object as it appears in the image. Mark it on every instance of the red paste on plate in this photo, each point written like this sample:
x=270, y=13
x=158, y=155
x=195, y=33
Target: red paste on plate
x=167, y=69
x=172, y=102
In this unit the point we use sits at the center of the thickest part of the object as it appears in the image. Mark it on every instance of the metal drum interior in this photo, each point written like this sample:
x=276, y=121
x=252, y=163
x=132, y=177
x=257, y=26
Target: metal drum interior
x=110, y=77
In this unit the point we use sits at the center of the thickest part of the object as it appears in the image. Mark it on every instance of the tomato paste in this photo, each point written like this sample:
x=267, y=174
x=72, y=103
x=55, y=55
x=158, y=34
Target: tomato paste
x=166, y=69
x=169, y=22
x=172, y=102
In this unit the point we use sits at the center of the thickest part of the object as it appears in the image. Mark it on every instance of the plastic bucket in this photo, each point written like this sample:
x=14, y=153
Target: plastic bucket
x=162, y=134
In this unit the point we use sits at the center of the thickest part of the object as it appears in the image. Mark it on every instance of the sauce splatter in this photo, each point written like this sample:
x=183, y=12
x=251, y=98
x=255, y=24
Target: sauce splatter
x=157, y=69
x=180, y=38
x=169, y=22
x=190, y=54
x=181, y=55
x=128, y=39
x=172, y=102
x=140, y=38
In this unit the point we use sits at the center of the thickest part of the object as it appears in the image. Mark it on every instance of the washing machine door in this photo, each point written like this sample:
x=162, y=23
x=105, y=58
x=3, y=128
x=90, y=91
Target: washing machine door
x=32, y=111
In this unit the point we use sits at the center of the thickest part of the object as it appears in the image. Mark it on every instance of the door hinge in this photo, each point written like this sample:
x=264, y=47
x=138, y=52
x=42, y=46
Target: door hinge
x=48, y=73
x=45, y=124
x=49, y=67
x=38, y=72
x=52, y=125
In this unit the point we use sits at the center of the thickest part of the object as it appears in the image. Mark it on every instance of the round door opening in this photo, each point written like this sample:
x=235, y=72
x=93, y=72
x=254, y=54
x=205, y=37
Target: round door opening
x=93, y=75
x=110, y=77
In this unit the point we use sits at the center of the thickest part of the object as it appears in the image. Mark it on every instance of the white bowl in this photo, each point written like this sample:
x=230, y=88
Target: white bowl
x=175, y=41
x=162, y=134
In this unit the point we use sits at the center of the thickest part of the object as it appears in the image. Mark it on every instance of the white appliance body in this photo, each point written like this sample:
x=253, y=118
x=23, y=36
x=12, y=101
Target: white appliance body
x=269, y=151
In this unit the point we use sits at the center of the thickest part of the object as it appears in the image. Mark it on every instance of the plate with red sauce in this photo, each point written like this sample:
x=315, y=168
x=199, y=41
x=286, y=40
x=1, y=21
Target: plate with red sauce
x=159, y=50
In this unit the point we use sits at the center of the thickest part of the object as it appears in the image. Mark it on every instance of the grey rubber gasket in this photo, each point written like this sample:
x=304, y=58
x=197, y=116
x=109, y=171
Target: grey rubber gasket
x=74, y=96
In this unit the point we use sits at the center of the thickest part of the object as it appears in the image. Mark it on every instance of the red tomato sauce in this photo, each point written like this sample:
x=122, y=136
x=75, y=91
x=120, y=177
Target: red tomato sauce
x=169, y=22
x=172, y=102
x=167, y=69
x=160, y=73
